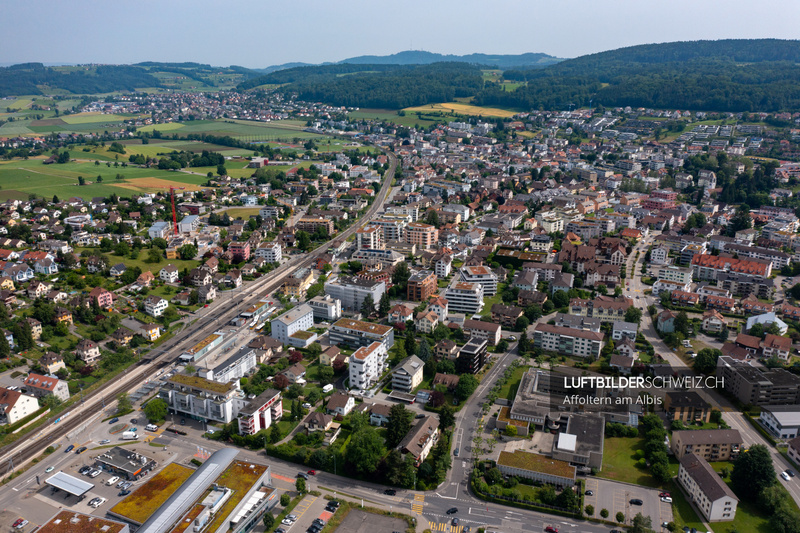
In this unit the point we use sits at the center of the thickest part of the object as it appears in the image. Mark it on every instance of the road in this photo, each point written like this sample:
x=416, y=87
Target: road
x=734, y=418
x=209, y=319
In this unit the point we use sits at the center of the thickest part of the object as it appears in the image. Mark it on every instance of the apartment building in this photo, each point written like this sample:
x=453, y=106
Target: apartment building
x=463, y=297
x=675, y=273
x=424, y=236
x=750, y=386
x=310, y=224
x=260, y=412
x=370, y=237
x=421, y=286
x=482, y=275
x=687, y=407
x=270, y=251
x=783, y=421
x=366, y=365
x=710, y=267
x=326, y=308
x=473, y=354
x=488, y=331
x=663, y=285
x=291, y=327
x=355, y=333
x=352, y=291
x=568, y=341
x=544, y=271
x=155, y=305
x=202, y=399
x=407, y=375
x=710, y=444
x=607, y=309
x=419, y=441
x=239, y=250
x=706, y=490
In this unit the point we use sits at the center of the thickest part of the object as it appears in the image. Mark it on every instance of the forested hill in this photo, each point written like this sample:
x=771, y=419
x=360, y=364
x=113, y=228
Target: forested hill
x=727, y=75
x=31, y=78
x=386, y=86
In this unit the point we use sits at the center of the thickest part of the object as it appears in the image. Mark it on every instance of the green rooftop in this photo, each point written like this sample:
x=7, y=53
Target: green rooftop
x=536, y=463
x=197, y=382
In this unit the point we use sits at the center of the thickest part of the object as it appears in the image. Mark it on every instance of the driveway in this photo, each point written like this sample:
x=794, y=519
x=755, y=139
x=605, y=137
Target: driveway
x=616, y=497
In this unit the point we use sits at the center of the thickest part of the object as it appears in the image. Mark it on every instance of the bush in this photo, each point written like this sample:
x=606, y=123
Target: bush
x=285, y=499
x=589, y=510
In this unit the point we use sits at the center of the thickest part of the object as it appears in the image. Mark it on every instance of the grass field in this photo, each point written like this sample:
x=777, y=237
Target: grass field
x=15, y=104
x=113, y=259
x=455, y=108
x=32, y=177
x=390, y=115
x=91, y=118
x=241, y=212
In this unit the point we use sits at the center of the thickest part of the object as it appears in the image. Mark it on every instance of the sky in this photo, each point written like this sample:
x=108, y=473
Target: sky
x=257, y=34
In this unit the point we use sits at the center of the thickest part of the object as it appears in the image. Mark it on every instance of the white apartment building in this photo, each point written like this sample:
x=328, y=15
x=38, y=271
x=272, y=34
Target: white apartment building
x=270, y=251
x=706, y=490
x=189, y=224
x=407, y=375
x=442, y=265
x=464, y=297
x=550, y=222
x=300, y=318
x=482, y=275
x=393, y=226
x=366, y=365
x=155, y=305
x=664, y=285
x=675, y=273
x=326, y=308
x=352, y=291
x=370, y=237
x=203, y=399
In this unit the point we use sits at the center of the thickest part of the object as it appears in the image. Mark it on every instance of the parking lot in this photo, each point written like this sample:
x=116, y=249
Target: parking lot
x=309, y=509
x=616, y=497
x=360, y=522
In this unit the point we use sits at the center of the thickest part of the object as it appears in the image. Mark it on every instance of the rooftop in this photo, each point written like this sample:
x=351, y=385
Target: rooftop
x=358, y=325
x=708, y=436
x=197, y=382
x=75, y=522
x=146, y=499
x=203, y=343
x=536, y=463
x=706, y=478
x=294, y=314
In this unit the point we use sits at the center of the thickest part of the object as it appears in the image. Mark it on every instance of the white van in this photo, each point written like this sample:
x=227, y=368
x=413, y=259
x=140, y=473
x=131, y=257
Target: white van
x=151, y=427
x=112, y=480
x=327, y=388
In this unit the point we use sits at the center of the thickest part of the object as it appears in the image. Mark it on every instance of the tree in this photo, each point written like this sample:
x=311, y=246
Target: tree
x=124, y=403
x=385, y=305
x=753, y=471
x=502, y=346
x=524, y=343
x=325, y=375
x=187, y=252
x=560, y=299
x=424, y=350
x=568, y=499
x=81, y=181
x=300, y=485
x=154, y=255
x=604, y=513
x=274, y=434
x=446, y=417
x=269, y=520
x=285, y=499
x=633, y=314
x=682, y=324
x=281, y=381
x=740, y=220
x=511, y=430
x=467, y=384
x=401, y=274
x=365, y=451
x=601, y=289
x=620, y=517
x=589, y=510
x=641, y=524
x=522, y=324
x=398, y=425
x=367, y=306
x=156, y=410
x=303, y=240
x=221, y=170
x=411, y=343
x=706, y=360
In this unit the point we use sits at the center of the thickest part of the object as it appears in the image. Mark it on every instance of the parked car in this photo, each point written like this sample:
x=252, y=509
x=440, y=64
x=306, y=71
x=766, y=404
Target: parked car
x=666, y=499
x=69, y=448
x=94, y=473
x=98, y=502
x=455, y=521
x=124, y=492
x=664, y=494
x=22, y=524
x=551, y=529
x=302, y=475
x=790, y=472
x=85, y=470
x=420, y=416
x=287, y=522
x=589, y=493
x=335, y=503
x=17, y=522
x=312, y=472
x=112, y=480
x=636, y=501
x=455, y=452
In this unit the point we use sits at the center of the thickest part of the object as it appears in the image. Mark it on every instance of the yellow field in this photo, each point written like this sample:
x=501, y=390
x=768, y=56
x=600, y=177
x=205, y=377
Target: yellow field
x=161, y=127
x=462, y=109
x=241, y=212
x=154, y=184
x=88, y=118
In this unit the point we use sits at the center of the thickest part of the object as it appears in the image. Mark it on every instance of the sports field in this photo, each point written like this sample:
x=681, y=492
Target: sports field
x=456, y=108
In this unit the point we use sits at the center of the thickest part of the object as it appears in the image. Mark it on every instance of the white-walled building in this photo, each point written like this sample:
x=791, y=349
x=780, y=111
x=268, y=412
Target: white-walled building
x=326, y=308
x=482, y=275
x=464, y=297
x=706, y=490
x=285, y=328
x=270, y=251
x=366, y=365
x=155, y=305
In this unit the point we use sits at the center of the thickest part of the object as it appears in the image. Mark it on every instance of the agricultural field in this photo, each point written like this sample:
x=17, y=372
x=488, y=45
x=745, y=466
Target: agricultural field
x=391, y=116
x=240, y=129
x=240, y=212
x=15, y=104
x=21, y=178
x=91, y=118
x=457, y=108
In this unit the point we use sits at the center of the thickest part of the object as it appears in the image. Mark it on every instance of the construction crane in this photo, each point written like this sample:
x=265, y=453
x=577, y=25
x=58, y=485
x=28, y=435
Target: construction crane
x=174, y=215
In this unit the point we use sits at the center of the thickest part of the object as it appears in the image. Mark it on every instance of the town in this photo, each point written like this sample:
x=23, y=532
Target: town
x=408, y=315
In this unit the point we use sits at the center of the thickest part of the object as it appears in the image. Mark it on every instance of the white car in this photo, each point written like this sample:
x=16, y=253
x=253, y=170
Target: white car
x=94, y=473
x=112, y=480
x=785, y=476
x=98, y=502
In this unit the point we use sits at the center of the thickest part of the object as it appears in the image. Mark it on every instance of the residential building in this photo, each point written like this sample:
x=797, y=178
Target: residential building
x=104, y=298
x=366, y=365
x=370, y=237
x=776, y=346
x=155, y=305
x=440, y=306
x=423, y=236
x=400, y=313
x=426, y=322
x=446, y=349
x=42, y=386
x=506, y=315
x=706, y=489
x=488, y=331
x=463, y=297
x=481, y=275
x=621, y=329
x=421, y=286
x=687, y=407
x=297, y=284
x=239, y=250
x=260, y=412
x=352, y=291
x=292, y=326
x=189, y=224
x=713, y=321
x=242, y=363
x=326, y=308
x=710, y=444
x=420, y=439
x=88, y=351
x=270, y=251
x=407, y=375
x=14, y=406
x=710, y=267
x=202, y=399
x=355, y=333
x=169, y=274
x=783, y=421
x=663, y=285
x=568, y=341
x=674, y=273
x=607, y=309
x=472, y=355
x=340, y=404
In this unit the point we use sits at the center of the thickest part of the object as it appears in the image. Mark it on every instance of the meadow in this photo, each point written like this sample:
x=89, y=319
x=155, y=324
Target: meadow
x=457, y=108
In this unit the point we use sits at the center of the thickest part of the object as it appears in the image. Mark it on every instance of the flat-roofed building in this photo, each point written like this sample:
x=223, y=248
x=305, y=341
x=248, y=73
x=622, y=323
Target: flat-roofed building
x=202, y=399
x=568, y=341
x=482, y=275
x=68, y=521
x=300, y=318
x=537, y=468
x=422, y=235
x=125, y=463
x=370, y=237
x=749, y=385
x=352, y=291
x=582, y=442
x=366, y=365
x=464, y=297
x=783, y=421
x=260, y=412
x=488, y=331
x=325, y=307
x=356, y=333
x=710, y=444
x=421, y=286
x=407, y=375
x=472, y=356
x=675, y=273
x=706, y=490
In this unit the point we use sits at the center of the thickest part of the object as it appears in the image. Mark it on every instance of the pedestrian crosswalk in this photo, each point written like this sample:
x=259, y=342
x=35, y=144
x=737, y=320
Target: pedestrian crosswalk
x=418, y=503
x=444, y=527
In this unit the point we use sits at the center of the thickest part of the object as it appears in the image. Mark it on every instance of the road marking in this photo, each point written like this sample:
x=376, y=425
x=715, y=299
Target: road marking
x=419, y=502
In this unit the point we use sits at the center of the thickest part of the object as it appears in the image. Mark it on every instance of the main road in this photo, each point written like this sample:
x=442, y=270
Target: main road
x=208, y=320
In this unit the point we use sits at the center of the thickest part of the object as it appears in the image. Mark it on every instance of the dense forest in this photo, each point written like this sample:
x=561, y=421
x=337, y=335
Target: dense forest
x=384, y=86
x=27, y=79
x=728, y=75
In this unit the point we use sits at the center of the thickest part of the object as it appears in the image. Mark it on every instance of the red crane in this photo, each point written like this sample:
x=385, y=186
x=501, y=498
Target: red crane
x=174, y=215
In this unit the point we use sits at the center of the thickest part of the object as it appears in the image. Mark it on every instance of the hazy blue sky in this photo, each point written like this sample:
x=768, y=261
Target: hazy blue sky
x=268, y=32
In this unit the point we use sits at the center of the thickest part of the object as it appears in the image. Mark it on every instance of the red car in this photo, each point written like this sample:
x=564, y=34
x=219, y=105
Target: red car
x=664, y=495
x=312, y=472
x=551, y=529
x=17, y=523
